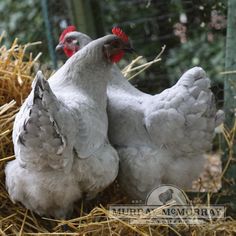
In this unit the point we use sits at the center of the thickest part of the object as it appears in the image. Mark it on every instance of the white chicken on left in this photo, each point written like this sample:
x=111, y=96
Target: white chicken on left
x=60, y=133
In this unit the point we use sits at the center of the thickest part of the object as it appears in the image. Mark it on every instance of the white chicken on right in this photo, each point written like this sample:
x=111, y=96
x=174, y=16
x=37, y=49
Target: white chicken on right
x=160, y=139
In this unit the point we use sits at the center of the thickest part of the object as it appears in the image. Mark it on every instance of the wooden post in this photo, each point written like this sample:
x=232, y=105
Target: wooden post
x=230, y=65
x=230, y=99
x=86, y=16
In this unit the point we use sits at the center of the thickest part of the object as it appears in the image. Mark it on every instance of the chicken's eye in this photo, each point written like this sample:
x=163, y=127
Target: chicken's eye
x=115, y=44
x=69, y=40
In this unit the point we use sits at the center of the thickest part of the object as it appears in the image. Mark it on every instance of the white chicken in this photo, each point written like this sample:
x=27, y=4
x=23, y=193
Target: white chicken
x=60, y=133
x=160, y=139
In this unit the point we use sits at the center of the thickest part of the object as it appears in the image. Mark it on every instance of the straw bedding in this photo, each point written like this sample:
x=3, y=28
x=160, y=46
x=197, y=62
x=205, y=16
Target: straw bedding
x=93, y=218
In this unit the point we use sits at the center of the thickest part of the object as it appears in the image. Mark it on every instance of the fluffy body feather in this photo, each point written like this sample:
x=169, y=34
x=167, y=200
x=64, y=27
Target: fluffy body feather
x=161, y=139
x=60, y=136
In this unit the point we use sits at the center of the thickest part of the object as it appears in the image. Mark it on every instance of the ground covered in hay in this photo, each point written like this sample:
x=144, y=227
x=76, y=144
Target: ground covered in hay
x=93, y=218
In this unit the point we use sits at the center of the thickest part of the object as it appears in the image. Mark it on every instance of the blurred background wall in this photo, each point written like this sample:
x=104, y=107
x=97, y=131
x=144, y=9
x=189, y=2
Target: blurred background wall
x=193, y=32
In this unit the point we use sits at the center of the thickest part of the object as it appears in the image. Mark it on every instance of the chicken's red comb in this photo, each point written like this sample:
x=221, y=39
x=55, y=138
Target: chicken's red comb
x=68, y=29
x=118, y=32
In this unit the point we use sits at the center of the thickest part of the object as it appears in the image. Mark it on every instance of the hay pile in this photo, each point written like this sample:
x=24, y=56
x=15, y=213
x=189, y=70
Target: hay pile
x=16, y=75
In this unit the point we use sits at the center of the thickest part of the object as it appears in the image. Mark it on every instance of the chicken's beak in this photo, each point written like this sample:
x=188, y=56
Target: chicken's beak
x=130, y=50
x=59, y=47
x=127, y=47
